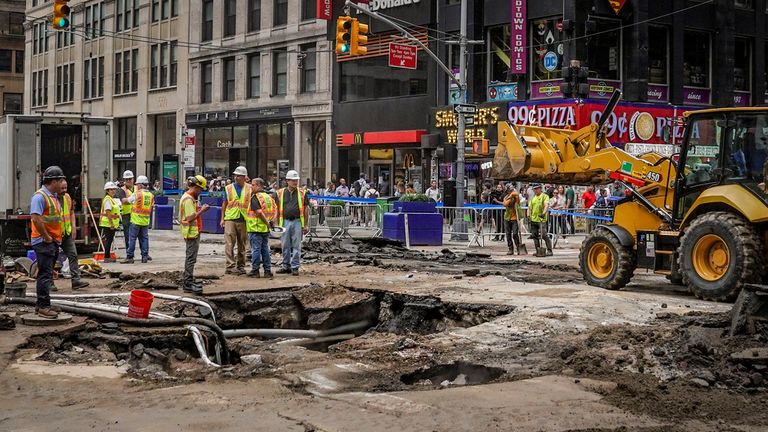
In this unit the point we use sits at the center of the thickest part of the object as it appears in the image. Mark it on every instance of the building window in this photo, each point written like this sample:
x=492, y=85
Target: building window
x=163, y=9
x=19, y=62
x=280, y=13
x=230, y=17
x=12, y=23
x=228, y=91
x=696, y=58
x=280, y=68
x=207, y=30
x=127, y=71
x=12, y=103
x=40, y=88
x=206, y=82
x=126, y=14
x=308, y=10
x=498, y=53
x=742, y=65
x=93, y=78
x=254, y=75
x=126, y=140
x=163, y=65
x=6, y=60
x=173, y=70
x=254, y=15
x=40, y=38
x=546, y=59
x=308, y=64
x=604, y=50
x=65, y=83
x=658, y=55
x=372, y=78
x=94, y=21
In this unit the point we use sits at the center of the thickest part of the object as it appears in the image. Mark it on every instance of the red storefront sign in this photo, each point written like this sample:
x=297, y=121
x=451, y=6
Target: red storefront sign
x=629, y=122
x=412, y=136
x=324, y=9
x=402, y=56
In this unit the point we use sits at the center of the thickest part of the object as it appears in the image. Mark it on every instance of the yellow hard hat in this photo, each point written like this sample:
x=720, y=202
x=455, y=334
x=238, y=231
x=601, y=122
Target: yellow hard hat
x=198, y=180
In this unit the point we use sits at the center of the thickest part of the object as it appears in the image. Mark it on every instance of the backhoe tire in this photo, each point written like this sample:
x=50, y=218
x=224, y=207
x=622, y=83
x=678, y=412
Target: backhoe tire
x=604, y=262
x=719, y=253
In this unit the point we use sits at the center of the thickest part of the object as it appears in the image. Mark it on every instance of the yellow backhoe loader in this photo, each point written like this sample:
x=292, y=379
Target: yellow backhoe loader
x=701, y=221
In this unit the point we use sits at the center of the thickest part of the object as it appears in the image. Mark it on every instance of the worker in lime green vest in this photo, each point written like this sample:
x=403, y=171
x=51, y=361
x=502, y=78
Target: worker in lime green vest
x=233, y=211
x=293, y=215
x=191, y=225
x=69, y=231
x=141, y=202
x=109, y=219
x=122, y=194
x=258, y=223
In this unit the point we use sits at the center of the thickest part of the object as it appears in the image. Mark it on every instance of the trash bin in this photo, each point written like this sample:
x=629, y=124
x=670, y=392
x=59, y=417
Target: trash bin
x=384, y=206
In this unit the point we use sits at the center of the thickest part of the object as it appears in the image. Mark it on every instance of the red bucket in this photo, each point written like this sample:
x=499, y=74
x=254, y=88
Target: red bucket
x=140, y=304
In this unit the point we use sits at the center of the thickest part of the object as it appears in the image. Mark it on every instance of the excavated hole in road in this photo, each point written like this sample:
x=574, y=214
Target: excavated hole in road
x=458, y=373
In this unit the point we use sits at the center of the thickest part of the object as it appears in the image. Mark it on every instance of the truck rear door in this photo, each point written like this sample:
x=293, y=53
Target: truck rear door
x=96, y=164
x=26, y=152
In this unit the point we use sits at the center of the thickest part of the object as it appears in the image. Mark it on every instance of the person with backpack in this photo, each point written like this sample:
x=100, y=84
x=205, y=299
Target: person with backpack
x=360, y=186
x=258, y=223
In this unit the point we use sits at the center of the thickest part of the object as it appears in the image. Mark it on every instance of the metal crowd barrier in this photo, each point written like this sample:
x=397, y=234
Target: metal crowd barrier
x=347, y=221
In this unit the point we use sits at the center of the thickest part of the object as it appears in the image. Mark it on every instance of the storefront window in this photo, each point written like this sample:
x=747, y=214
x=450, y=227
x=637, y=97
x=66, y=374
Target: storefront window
x=372, y=78
x=272, y=147
x=604, y=50
x=742, y=64
x=658, y=55
x=217, y=143
x=547, y=49
x=696, y=58
x=498, y=53
x=165, y=134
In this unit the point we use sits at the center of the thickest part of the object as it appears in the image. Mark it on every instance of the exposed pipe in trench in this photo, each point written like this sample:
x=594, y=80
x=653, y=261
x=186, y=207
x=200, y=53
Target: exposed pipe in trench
x=109, y=316
x=294, y=333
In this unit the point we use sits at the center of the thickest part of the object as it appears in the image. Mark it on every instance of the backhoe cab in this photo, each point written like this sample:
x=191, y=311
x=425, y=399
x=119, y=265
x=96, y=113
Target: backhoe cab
x=702, y=221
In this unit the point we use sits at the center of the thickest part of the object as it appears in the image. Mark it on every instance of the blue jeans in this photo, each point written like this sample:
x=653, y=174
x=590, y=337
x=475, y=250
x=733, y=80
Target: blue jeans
x=46, y=257
x=142, y=234
x=260, y=251
x=291, y=242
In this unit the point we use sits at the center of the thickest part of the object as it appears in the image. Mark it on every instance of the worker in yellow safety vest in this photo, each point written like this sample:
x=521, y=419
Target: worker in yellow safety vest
x=109, y=219
x=69, y=234
x=124, y=193
x=191, y=223
x=47, y=233
x=258, y=222
x=233, y=212
x=141, y=202
x=292, y=215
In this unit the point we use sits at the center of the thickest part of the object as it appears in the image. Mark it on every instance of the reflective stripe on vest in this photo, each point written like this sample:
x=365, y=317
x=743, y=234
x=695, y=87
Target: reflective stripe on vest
x=105, y=221
x=189, y=230
x=51, y=218
x=237, y=207
x=253, y=222
x=66, y=215
x=142, y=208
x=280, y=195
x=127, y=206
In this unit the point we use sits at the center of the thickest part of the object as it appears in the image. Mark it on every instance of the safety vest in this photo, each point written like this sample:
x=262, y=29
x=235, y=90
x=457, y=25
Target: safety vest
x=51, y=218
x=237, y=206
x=66, y=214
x=189, y=230
x=253, y=222
x=105, y=221
x=141, y=209
x=127, y=206
x=280, y=195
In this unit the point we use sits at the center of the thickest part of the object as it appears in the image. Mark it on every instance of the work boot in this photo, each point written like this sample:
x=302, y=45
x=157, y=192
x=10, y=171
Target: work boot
x=240, y=271
x=268, y=275
x=541, y=252
x=254, y=274
x=127, y=261
x=549, y=252
x=149, y=258
x=284, y=270
x=46, y=312
x=53, y=287
x=192, y=288
x=77, y=284
x=108, y=260
x=510, y=251
x=295, y=272
x=144, y=260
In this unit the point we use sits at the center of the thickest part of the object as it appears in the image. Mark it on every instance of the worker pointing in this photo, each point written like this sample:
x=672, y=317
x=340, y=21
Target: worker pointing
x=293, y=215
x=191, y=225
x=233, y=213
x=141, y=202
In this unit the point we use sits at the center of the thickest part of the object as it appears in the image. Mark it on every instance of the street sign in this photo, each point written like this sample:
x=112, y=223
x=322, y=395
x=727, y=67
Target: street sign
x=469, y=121
x=465, y=109
x=402, y=56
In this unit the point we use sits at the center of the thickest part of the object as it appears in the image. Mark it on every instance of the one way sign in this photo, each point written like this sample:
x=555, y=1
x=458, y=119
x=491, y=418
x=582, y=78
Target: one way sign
x=402, y=56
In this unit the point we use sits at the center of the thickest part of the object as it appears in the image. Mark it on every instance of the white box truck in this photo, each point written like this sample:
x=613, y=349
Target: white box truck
x=80, y=145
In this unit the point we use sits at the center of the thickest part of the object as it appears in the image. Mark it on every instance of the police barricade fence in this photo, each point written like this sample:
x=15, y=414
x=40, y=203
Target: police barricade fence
x=335, y=217
x=459, y=224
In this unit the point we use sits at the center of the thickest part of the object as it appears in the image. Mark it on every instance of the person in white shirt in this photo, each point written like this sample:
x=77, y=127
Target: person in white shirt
x=433, y=192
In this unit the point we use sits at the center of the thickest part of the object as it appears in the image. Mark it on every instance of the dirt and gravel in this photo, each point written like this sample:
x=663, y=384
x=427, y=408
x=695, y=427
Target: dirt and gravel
x=456, y=340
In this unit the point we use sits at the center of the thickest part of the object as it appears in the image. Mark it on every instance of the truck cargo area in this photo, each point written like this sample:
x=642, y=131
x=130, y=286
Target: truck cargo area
x=62, y=145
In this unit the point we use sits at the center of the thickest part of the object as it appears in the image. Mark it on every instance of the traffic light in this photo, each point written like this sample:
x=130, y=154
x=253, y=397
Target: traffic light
x=60, y=14
x=480, y=146
x=359, y=38
x=343, y=36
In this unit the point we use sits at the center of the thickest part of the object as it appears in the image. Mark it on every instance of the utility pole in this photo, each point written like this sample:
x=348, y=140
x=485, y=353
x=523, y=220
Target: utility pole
x=461, y=127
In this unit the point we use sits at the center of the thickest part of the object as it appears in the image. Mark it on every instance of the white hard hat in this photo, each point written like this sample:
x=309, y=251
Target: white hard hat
x=110, y=185
x=128, y=174
x=292, y=175
x=142, y=180
x=241, y=171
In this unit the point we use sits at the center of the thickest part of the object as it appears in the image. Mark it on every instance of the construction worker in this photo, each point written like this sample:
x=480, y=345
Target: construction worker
x=124, y=193
x=293, y=215
x=109, y=219
x=538, y=207
x=47, y=234
x=258, y=222
x=191, y=224
x=69, y=233
x=233, y=212
x=141, y=202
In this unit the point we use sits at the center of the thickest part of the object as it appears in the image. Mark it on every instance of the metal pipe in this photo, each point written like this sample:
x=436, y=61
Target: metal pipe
x=198, y=338
x=106, y=308
x=308, y=341
x=295, y=333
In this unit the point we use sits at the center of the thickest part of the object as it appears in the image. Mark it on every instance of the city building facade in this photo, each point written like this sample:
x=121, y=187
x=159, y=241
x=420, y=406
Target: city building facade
x=12, y=56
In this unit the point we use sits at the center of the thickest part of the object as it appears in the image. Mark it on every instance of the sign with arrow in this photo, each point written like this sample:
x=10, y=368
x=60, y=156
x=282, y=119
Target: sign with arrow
x=124, y=155
x=465, y=108
x=402, y=56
